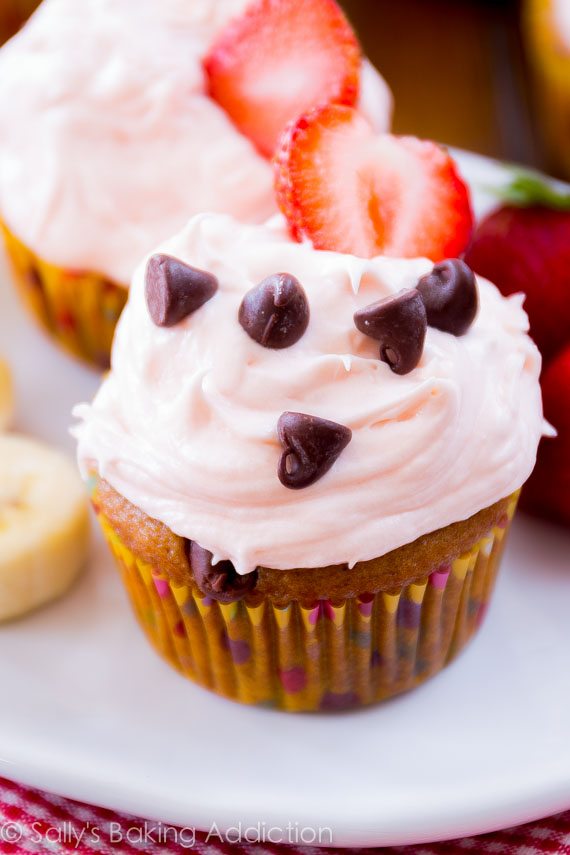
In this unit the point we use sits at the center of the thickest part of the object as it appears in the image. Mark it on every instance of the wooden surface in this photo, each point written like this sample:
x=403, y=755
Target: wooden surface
x=457, y=71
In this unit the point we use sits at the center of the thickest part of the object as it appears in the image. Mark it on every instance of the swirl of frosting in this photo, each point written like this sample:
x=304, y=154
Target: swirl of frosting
x=108, y=139
x=185, y=426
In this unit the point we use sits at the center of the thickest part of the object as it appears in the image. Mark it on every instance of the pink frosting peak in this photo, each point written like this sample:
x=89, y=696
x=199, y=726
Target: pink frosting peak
x=108, y=140
x=185, y=426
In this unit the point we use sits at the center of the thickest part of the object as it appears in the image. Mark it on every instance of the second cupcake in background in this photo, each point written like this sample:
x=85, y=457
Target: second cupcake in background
x=120, y=120
x=306, y=460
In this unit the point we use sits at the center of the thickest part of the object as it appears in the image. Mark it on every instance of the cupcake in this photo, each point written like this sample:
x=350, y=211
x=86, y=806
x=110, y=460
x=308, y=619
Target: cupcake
x=306, y=461
x=120, y=120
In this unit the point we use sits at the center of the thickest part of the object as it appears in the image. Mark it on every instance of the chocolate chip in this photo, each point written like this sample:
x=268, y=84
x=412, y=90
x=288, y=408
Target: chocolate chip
x=450, y=296
x=275, y=313
x=219, y=581
x=174, y=290
x=311, y=446
x=399, y=323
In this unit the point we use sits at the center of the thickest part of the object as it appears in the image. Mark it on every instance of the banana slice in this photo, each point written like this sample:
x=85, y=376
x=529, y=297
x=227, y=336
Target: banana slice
x=6, y=396
x=44, y=525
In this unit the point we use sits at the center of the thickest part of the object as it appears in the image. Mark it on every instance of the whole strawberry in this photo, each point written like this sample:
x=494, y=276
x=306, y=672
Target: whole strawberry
x=525, y=247
x=548, y=491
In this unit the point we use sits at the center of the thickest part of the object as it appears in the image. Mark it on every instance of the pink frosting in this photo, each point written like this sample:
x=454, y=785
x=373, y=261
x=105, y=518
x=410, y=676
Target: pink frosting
x=185, y=426
x=108, y=141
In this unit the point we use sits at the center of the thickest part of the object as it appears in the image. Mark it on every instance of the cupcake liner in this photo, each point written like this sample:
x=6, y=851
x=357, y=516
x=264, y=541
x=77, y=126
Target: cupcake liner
x=324, y=655
x=79, y=310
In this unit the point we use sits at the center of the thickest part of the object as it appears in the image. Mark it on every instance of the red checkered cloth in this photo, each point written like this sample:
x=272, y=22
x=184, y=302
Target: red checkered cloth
x=35, y=822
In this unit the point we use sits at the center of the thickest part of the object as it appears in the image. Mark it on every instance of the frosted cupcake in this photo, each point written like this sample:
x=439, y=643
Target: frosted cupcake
x=119, y=120
x=306, y=462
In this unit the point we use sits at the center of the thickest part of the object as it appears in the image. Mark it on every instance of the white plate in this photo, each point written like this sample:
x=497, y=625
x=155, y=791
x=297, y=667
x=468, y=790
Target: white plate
x=89, y=711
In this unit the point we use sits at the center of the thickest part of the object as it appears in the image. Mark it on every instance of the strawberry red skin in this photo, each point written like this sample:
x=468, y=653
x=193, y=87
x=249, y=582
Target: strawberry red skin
x=528, y=250
x=280, y=59
x=547, y=493
x=346, y=189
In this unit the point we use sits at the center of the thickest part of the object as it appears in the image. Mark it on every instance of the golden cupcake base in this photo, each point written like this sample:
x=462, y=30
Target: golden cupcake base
x=78, y=310
x=321, y=655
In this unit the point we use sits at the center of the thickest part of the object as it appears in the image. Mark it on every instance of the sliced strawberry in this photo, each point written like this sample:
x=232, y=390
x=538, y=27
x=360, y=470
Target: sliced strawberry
x=278, y=60
x=347, y=189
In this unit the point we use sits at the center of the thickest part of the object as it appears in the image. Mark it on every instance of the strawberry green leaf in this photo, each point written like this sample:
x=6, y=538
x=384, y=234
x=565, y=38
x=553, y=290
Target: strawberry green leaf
x=531, y=188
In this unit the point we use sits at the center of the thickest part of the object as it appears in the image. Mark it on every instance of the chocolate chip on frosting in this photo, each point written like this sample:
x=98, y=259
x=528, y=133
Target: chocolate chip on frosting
x=399, y=323
x=174, y=290
x=219, y=581
x=310, y=447
x=275, y=313
x=450, y=296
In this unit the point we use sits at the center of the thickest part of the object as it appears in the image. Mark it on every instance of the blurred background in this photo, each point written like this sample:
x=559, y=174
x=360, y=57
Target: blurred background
x=484, y=75
x=492, y=76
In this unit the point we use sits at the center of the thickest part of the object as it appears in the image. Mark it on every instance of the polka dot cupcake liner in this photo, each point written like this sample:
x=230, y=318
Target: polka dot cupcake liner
x=78, y=310
x=320, y=656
